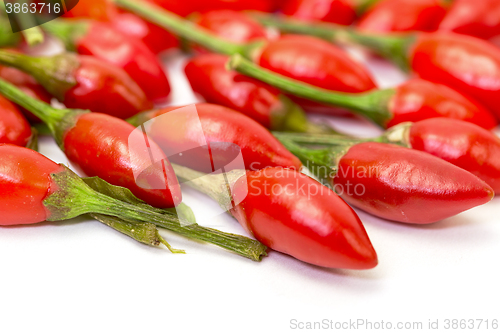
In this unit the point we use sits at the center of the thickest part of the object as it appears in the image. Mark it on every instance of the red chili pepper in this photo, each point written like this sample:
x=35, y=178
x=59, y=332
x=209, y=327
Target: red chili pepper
x=25, y=182
x=209, y=77
x=26, y=84
x=335, y=11
x=35, y=189
x=467, y=64
x=413, y=101
x=102, y=41
x=101, y=10
x=463, y=144
x=220, y=126
x=99, y=145
x=14, y=128
x=292, y=214
x=203, y=6
x=304, y=58
x=155, y=38
x=83, y=82
x=475, y=18
x=396, y=183
x=231, y=25
x=403, y=15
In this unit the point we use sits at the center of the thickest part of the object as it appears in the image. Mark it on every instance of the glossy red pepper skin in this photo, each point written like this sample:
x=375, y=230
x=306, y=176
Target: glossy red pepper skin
x=463, y=144
x=208, y=77
x=314, y=225
x=100, y=10
x=231, y=25
x=406, y=185
x=403, y=15
x=104, y=88
x=258, y=146
x=154, y=37
x=25, y=183
x=203, y=6
x=26, y=84
x=335, y=11
x=475, y=18
x=317, y=62
x=14, y=128
x=419, y=99
x=99, y=145
x=467, y=64
x=106, y=43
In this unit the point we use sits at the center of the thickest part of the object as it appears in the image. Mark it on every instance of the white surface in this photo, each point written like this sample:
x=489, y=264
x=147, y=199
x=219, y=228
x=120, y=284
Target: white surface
x=81, y=276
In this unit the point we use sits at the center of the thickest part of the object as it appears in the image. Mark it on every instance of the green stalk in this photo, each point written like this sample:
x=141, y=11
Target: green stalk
x=33, y=36
x=56, y=120
x=143, y=232
x=399, y=134
x=186, y=29
x=371, y=105
x=7, y=37
x=71, y=189
x=54, y=73
x=392, y=47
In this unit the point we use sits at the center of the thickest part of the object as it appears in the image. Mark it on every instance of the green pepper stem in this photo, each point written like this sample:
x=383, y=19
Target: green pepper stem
x=186, y=29
x=56, y=120
x=72, y=188
x=393, y=47
x=55, y=73
x=33, y=36
x=67, y=31
x=371, y=105
x=143, y=232
x=319, y=139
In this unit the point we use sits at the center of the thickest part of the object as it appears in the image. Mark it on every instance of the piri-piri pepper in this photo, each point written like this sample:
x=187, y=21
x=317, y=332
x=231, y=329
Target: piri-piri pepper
x=385, y=107
x=394, y=182
x=99, y=145
x=265, y=104
x=14, y=128
x=34, y=189
x=103, y=41
x=290, y=213
x=83, y=82
x=465, y=63
x=208, y=138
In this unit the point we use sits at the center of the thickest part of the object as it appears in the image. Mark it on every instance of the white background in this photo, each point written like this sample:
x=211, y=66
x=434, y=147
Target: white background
x=81, y=276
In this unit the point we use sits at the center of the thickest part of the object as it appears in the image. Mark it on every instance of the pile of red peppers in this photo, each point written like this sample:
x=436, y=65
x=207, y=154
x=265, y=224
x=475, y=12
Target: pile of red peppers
x=260, y=67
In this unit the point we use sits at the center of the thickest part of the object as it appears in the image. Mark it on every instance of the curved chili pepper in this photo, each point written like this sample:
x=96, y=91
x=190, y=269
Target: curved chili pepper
x=83, y=82
x=291, y=213
x=396, y=183
x=99, y=145
x=14, y=128
x=475, y=18
x=467, y=64
x=220, y=125
x=155, y=38
x=231, y=25
x=304, y=58
x=26, y=84
x=412, y=101
x=102, y=41
x=334, y=11
x=35, y=189
x=209, y=77
x=100, y=10
x=403, y=15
